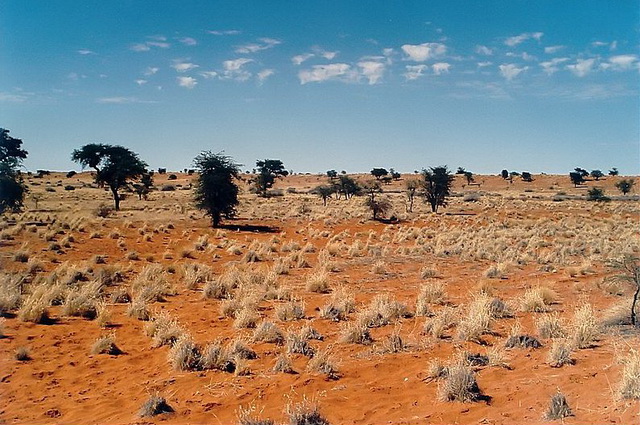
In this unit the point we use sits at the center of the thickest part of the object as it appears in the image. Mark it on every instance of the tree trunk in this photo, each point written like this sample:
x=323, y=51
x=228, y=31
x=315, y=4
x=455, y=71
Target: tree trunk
x=116, y=198
x=216, y=219
x=634, y=318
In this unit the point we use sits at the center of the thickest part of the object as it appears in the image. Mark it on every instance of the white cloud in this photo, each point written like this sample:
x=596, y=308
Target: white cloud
x=483, y=50
x=511, y=71
x=180, y=66
x=551, y=67
x=264, y=74
x=372, y=70
x=141, y=82
x=265, y=43
x=414, y=71
x=188, y=41
x=139, y=47
x=226, y=32
x=328, y=55
x=160, y=44
x=517, y=39
x=484, y=64
x=208, y=74
x=151, y=71
x=582, y=67
x=157, y=37
x=441, y=68
x=85, y=52
x=122, y=100
x=553, y=49
x=623, y=62
x=233, y=69
x=299, y=59
x=424, y=51
x=333, y=71
x=12, y=98
x=612, y=46
x=187, y=82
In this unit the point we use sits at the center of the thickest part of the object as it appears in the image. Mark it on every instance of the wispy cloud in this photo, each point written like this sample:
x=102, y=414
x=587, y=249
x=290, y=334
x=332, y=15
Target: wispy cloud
x=264, y=44
x=483, y=50
x=86, y=52
x=158, y=41
x=553, y=49
x=151, y=71
x=413, y=72
x=223, y=32
x=582, y=67
x=12, y=97
x=333, y=71
x=511, y=71
x=424, y=51
x=233, y=69
x=141, y=82
x=208, y=74
x=328, y=55
x=181, y=66
x=518, y=39
x=122, y=100
x=373, y=71
x=299, y=59
x=611, y=45
x=187, y=82
x=441, y=68
x=188, y=41
x=264, y=74
x=623, y=62
x=551, y=67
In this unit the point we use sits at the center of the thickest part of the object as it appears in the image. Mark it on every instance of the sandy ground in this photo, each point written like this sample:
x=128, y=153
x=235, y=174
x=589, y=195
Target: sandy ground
x=64, y=383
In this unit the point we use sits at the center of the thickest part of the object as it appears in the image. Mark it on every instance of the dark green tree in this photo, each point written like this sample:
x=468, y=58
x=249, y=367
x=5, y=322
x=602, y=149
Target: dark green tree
x=505, y=174
x=597, y=174
x=597, y=194
x=576, y=178
x=215, y=190
x=461, y=170
x=377, y=205
x=332, y=174
x=379, y=172
x=347, y=186
x=526, y=176
x=144, y=187
x=115, y=166
x=469, y=176
x=437, y=186
x=268, y=171
x=614, y=171
x=584, y=173
x=325, y=192
x=625, y=185
x=12, y=187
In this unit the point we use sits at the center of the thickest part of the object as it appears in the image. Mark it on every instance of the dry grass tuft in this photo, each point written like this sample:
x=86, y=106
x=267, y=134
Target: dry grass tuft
x=289, y=311
x=444, y=319
x=268, y=332
x=297, y=344
x=283, y=364
x=22, y=354
x=185, y=354
x=155, y=405
x=305, y=413
x=323, y=362
x=477, y=321
x=558, y=408
x=460, y=384
x=431, y=293
x=356, y=333
x=318, y=282
x=560, y=353
x=584, y=328
x=551, y=326
x=538, y=300
x=341, y=304
x=106, y=345
x=630, y=384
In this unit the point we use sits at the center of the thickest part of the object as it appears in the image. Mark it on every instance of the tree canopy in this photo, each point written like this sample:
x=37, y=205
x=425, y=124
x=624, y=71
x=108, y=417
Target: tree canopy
x=215, y=190
x=115, y=166
x=437, y=186
x=379, y=172
x=12, y=187
x=268, y=171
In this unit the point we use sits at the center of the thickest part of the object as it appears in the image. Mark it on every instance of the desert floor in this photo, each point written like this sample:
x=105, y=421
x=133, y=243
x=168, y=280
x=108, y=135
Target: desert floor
x=398, y=306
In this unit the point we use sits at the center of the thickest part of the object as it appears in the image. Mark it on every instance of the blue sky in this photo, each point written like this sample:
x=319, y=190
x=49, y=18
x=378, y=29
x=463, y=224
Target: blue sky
x=542, y=86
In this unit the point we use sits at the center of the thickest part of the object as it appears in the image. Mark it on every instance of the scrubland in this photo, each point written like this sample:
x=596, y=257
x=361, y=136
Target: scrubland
x=495, y=310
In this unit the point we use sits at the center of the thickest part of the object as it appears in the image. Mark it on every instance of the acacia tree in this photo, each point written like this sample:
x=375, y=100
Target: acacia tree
x=411, y=187
x=12, y=187
x=576, y=178
x=325, y=192
x=115, y=166
x=268, y=171
x=597, y=174
x=215, y=190
x=625, y=185
x=376, y=205
x=379, y=172
x=437, y=186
